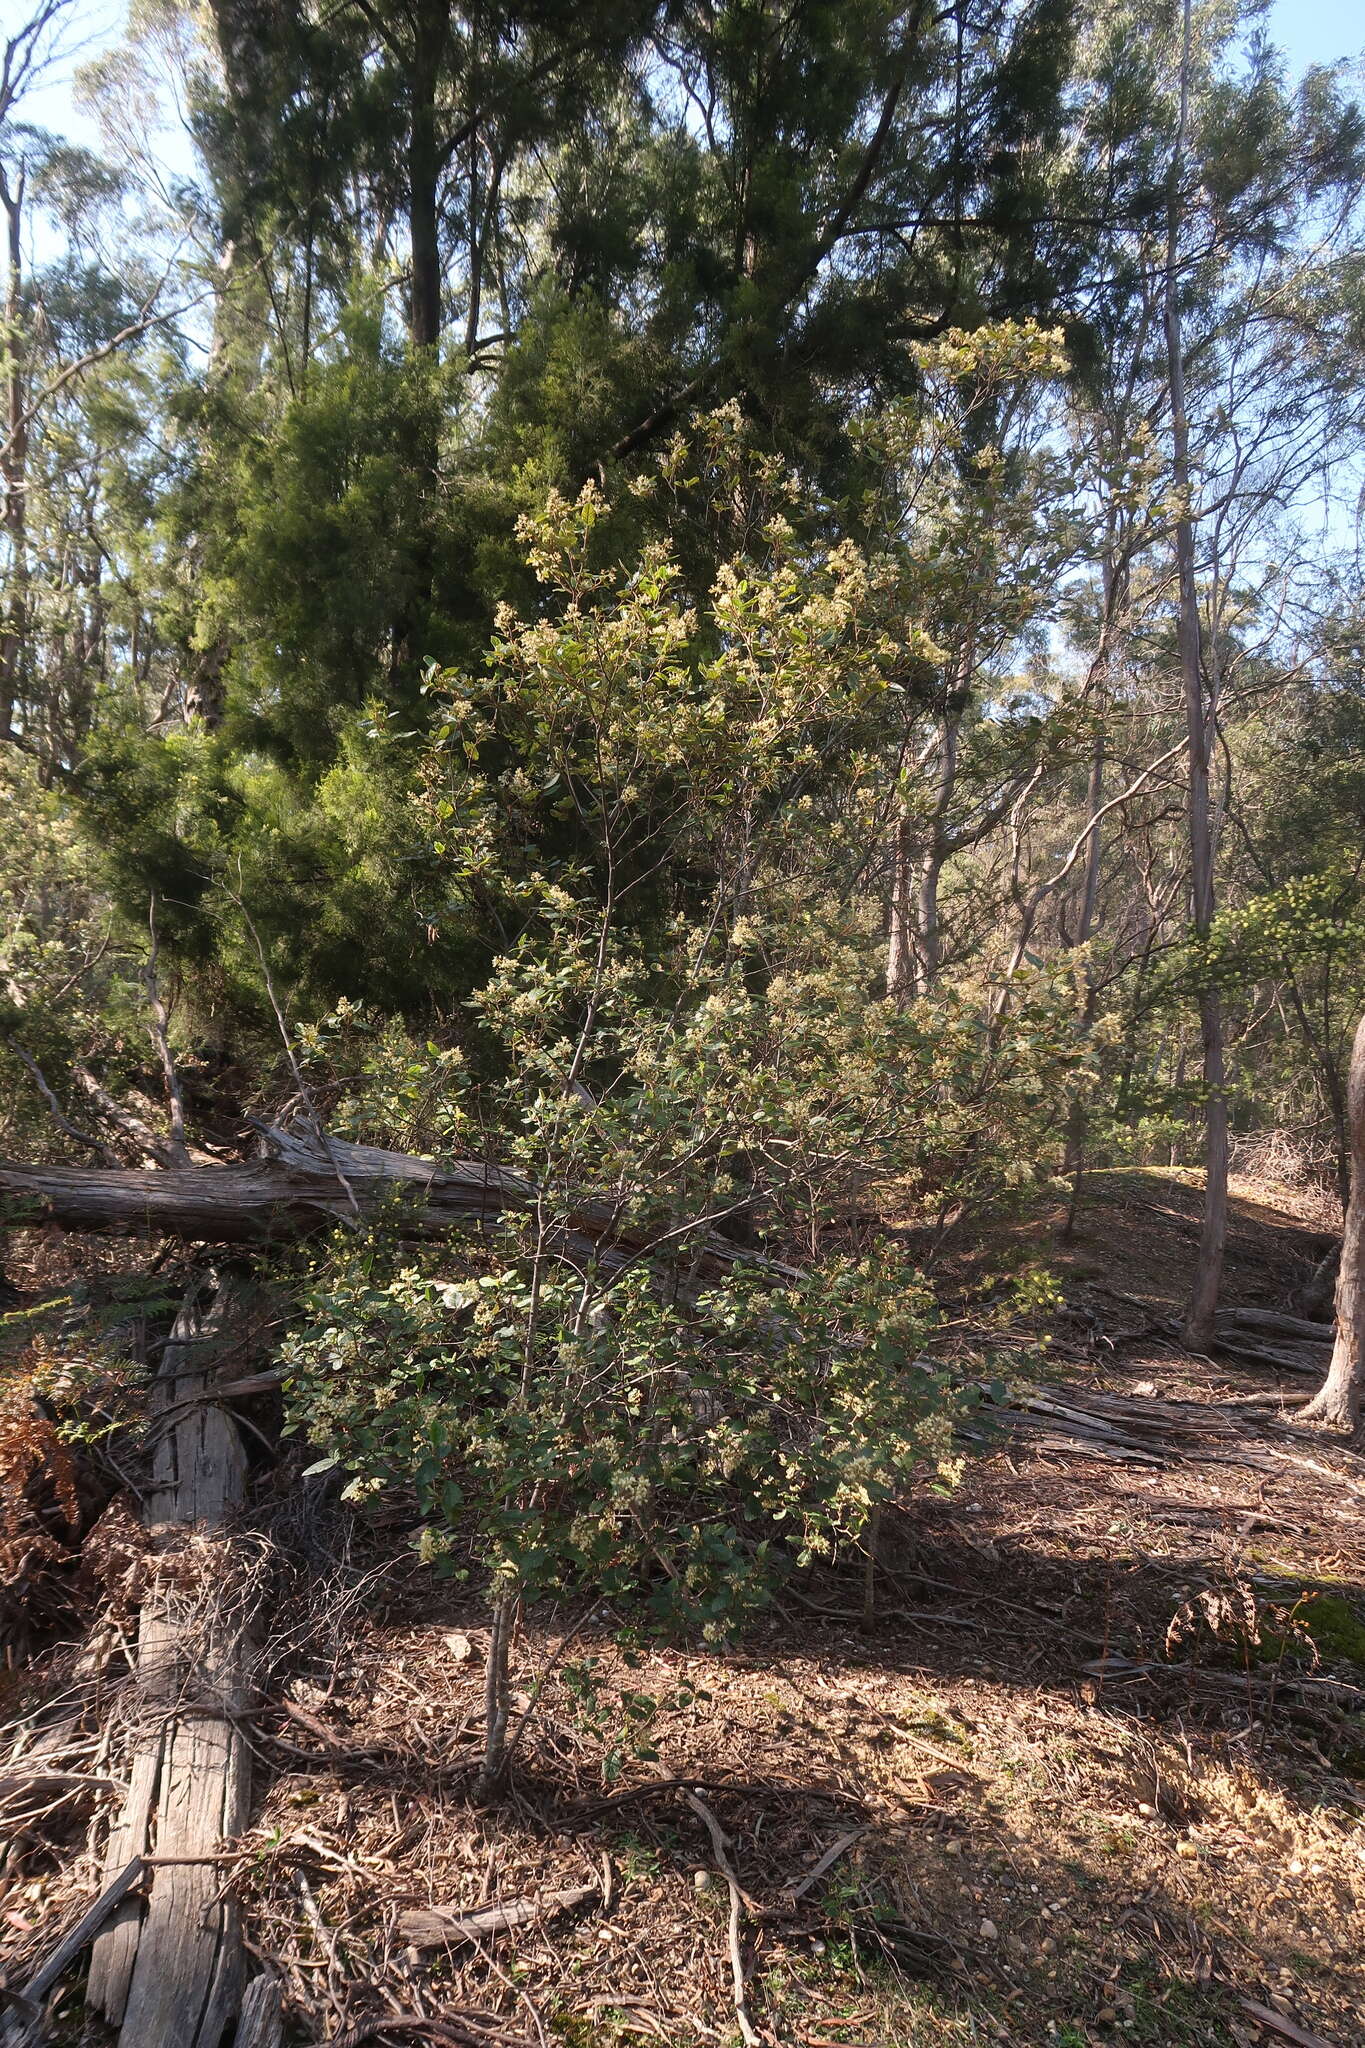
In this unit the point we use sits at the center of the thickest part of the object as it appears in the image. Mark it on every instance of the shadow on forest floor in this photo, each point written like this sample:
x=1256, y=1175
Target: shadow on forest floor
x=1095, y=1774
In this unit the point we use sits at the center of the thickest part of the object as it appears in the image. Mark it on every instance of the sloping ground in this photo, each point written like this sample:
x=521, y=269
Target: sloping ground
x=1094, y=1774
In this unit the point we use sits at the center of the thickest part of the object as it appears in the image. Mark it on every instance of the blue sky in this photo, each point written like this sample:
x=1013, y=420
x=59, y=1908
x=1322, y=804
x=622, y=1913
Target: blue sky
x=1317, y=31
x=50, y=105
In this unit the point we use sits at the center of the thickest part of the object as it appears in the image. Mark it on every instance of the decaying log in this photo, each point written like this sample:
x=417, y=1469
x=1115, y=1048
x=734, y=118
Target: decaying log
x=1136, y=1429
x=306, y=1185
x=1306, y=1359
x=288, y=1195
x=1262, y=1336
x=168, y=1971
x=1275, y=1324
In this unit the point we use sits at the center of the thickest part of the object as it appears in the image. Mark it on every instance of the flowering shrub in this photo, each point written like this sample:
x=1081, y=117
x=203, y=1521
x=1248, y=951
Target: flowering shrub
x=603, y=1396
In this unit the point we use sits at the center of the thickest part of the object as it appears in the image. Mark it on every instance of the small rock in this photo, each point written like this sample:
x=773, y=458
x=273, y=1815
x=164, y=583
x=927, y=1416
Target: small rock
x=460, y=1648
x=1187, y=1849
x=1049, y=1947
x=952, y=1847
x=1106, y=2015
x=1147, y=1810
x=701, y=1880
x=989, y=1931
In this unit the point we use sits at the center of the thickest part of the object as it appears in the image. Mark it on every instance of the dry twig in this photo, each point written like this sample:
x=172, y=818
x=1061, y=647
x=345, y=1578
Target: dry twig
x=721, y=1847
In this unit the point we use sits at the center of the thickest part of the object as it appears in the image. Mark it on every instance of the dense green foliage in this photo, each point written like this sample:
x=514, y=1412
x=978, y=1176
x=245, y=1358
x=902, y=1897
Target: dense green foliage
x=601, y=588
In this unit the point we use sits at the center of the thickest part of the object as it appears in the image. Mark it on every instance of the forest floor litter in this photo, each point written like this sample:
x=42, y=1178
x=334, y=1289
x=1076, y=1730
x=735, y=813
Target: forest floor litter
x=1093, y=1773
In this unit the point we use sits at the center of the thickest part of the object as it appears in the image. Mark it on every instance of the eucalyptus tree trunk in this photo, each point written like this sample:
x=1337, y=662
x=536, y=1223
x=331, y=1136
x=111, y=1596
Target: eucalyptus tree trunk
x=1199, y=720
x=1338, y=1400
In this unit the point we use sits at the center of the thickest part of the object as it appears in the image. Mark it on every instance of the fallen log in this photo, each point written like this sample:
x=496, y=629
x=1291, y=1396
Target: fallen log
x=1280, y=1358
x=311, y=1182
x=1287, y=1344
x=1136, y=1429
x=293, y=1192
x=1275, y=1323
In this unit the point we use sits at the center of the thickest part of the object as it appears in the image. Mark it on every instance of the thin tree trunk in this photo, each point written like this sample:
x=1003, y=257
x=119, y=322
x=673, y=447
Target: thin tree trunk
x=1077, y=1121
x=478, y=254
x=14, y=632
x=927, y=938
x=496, y=1702
x=1326, y=1072
x=1209, y=1269
x=424, y=305
x=1339, y=1399
x=930, y=929
x=900, y=951
x=243, y=30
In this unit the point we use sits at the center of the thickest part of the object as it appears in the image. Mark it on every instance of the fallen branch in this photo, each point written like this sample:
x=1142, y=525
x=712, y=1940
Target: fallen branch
x=433, y=1928
x=655, y=1788
x=1277, y=2023
x=720, y=1846
x=23, y=1780
x=826, y=1862
x=467, y=2030
x=1235, y=1681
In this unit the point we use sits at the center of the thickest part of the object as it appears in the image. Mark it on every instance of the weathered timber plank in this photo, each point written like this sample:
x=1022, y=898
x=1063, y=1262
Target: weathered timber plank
x=171, y=1978
x=18, y=2032
x=261, y=2024
x=111, y=1959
